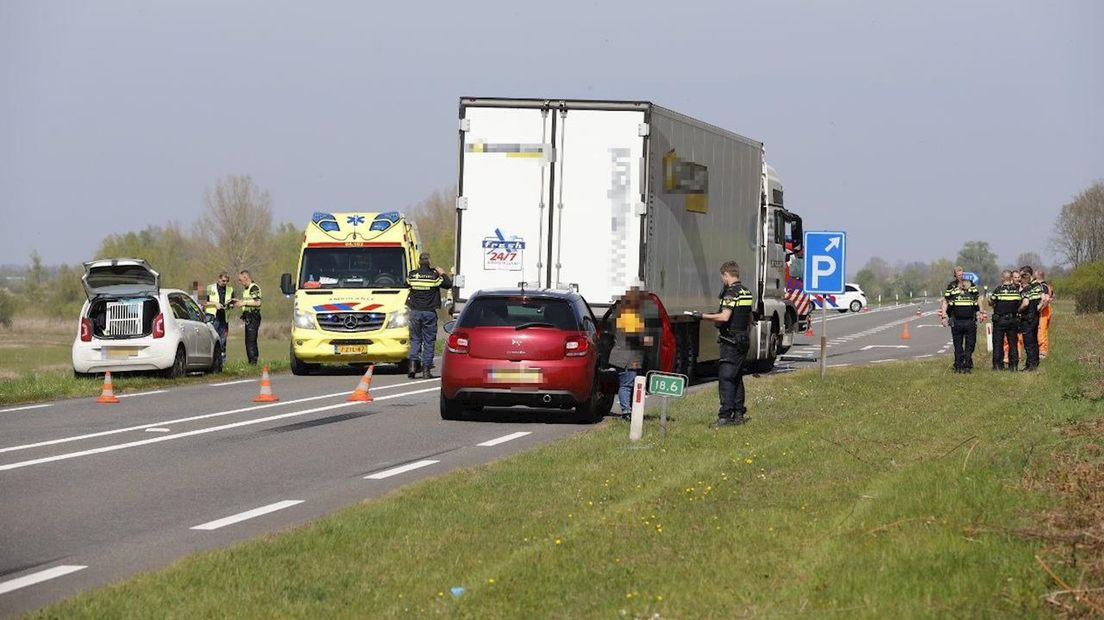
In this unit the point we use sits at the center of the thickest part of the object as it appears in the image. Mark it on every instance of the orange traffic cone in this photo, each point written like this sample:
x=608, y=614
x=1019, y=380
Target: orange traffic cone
x=360, y=394
x=809, y=333
x=266, y=395
x=107, y=396
x=905, y=335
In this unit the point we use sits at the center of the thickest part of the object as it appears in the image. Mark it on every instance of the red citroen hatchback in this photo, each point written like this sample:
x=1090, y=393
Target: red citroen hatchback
x=537, y=348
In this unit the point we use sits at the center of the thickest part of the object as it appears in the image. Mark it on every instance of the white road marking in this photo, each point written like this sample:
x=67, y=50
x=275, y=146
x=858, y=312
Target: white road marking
x=24, y=408
x=504, y=439
x=928, y=355
x=39, y=577
x=837, y=365
x=201, y=431
x=157, y=430
x=197, y=417
x=143, y=393
x=231, y=382
x=402, y=469
x=248, y=514
x=881, y=361
x=884, y=346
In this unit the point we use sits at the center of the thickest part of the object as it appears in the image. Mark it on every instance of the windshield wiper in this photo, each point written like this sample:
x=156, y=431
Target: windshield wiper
x=533, y=324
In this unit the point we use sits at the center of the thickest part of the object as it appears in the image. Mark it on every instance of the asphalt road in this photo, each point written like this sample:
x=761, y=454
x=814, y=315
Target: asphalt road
x=95, y=493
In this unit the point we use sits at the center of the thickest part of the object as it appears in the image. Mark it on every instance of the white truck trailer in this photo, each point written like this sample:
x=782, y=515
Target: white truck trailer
x=604, y=195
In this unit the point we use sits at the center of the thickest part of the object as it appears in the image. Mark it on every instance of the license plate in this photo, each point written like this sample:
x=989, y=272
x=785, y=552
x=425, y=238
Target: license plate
x=514, y=375
x=351, y=349
x=120, y=353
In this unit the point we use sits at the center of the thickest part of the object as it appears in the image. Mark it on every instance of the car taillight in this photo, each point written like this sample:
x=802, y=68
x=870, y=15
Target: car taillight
x=159, y=326
x=458, y=343
x=86, y=330
x=576, y=346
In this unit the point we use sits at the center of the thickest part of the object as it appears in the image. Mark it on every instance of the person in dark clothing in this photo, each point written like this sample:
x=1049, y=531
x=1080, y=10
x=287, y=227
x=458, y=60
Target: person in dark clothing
x=962, y=308
x=1006, y=301
x=250, y=305
x=1029, y=318
x=734, y=319
x=423, y=301
x=636, y=331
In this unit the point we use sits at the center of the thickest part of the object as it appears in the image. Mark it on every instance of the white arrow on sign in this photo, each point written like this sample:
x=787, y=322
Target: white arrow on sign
x=884, y=346
x=832, y=243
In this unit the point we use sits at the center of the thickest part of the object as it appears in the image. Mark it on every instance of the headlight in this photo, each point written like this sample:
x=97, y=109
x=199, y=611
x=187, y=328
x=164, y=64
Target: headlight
x=303, y=320
x=398, y=319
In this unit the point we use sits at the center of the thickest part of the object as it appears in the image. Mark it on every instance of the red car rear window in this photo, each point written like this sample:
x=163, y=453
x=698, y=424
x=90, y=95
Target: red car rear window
x=518, y=311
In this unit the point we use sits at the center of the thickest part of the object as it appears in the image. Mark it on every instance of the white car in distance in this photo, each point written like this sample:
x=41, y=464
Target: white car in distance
x=130, y=323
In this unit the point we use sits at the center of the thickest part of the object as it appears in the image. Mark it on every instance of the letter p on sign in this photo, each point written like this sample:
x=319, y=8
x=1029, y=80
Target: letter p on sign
x=825, y=262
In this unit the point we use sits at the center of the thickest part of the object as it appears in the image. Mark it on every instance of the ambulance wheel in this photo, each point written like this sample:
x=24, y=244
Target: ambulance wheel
x=299, y=367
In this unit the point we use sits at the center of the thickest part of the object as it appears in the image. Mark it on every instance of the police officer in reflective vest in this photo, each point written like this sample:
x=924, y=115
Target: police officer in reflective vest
x=219, y=296
x=952, y=289
x=962, y=308
x=733, y=319
x=1029, y=318
x=424, y=300
x=250, y=305
x=1006, y=302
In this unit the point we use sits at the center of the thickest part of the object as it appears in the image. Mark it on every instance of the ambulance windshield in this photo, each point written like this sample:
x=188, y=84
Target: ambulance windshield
x=357, y=267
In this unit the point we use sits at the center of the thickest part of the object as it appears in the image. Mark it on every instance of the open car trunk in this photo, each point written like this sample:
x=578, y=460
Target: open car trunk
x=115, y=318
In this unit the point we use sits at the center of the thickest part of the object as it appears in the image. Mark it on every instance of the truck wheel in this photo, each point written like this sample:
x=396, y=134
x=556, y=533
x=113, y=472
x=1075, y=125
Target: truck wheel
x=686, y=352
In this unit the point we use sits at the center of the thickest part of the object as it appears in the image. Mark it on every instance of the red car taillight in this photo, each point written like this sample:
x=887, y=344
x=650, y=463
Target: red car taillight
x=458, y=343
x=86, y=330
x=159, y=326
x=576, y=346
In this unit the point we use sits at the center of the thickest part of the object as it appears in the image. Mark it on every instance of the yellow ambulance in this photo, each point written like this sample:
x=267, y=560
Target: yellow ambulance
x=350, y=290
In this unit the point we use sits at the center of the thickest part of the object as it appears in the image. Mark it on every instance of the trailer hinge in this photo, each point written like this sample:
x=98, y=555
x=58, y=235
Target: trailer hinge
x=465, y=124
x=461, y=203
x=643, y=130
x=641, y=209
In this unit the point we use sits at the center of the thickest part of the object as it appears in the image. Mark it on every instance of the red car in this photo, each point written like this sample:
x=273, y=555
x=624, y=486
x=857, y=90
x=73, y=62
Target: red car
x=537, y=348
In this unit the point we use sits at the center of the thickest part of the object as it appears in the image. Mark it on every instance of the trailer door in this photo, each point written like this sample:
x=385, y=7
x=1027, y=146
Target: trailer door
x=503, y=196
x=596, y=224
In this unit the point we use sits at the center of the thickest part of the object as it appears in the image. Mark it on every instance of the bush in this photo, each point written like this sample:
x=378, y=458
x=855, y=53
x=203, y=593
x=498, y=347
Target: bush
x=1086, y=285
x=7, y=308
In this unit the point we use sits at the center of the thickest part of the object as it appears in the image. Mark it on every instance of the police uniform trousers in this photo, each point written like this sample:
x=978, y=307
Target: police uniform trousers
x=1030, y=326
x=423, y=338
x=964, y=336
x=252, y=328
x=730, y=375
x=1005, y=329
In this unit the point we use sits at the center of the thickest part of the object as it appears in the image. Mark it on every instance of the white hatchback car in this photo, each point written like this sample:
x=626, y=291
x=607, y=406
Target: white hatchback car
x=130, y=323
x=853, y=298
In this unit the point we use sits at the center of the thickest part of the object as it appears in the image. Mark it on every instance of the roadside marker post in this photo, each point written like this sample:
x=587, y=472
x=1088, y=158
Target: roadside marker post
x=668, y=385
x=636, y=418
x=825, y=269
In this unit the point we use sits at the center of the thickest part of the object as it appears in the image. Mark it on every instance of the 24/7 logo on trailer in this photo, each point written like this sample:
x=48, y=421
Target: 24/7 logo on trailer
x=502, y=254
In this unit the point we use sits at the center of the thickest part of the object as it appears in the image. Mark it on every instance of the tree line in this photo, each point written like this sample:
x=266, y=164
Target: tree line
x=235, y=231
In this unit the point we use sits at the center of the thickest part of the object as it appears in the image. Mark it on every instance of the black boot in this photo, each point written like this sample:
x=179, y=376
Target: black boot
x=415, y=368
x=426, y=374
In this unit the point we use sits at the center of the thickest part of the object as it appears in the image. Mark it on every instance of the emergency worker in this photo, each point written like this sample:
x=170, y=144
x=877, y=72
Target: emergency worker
x=250, y=305
x=1044, y=314
x=424, y=300
x=962, y=308
x=1029, y=318
x=952, y=289
x=219, y=296
x=734, y=320
x=1006, y=301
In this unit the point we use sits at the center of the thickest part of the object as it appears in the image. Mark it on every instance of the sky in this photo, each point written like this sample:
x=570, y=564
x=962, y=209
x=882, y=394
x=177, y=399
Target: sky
x=914, y=126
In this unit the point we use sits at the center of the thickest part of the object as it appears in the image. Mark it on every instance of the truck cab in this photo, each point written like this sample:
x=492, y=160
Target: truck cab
x=350, y=290
x=779, y=310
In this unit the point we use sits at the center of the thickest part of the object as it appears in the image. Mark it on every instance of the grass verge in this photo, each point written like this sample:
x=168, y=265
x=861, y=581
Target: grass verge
x=900, y=490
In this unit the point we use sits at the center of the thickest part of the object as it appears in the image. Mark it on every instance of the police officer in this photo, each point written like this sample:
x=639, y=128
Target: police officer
x=250, y=305
x=952, y=289
x=1006, y=301
x=962, y=307
x=424, y=300
x=219, y=296
x=1029, y=318
x=733, y=319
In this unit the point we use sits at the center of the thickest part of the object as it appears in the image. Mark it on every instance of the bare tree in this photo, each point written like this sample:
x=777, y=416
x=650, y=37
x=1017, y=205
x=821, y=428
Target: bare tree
x=1079, y=230
x=1030, y=258
x=236, y=226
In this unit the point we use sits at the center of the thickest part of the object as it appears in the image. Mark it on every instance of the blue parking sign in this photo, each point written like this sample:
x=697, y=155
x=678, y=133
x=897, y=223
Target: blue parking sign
x=825, y=261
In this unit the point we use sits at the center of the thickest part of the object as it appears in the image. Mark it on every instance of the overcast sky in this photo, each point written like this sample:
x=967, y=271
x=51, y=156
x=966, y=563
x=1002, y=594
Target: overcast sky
x=913, y=126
